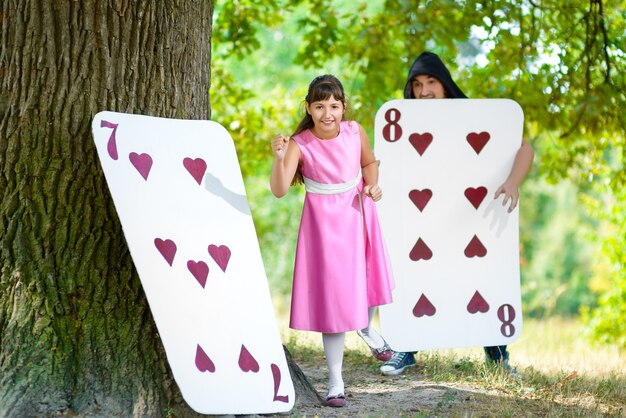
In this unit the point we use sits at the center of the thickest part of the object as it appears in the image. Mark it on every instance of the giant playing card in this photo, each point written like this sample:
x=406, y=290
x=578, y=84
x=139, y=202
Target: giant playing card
x=453, y=248
x=181, y=200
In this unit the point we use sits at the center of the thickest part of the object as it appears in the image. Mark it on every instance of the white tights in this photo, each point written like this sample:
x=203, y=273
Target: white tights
x=369, y=334
x=333, y=349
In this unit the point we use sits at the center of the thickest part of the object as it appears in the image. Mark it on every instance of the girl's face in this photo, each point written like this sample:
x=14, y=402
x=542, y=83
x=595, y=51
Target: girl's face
x=427, y=87
x=326, y=115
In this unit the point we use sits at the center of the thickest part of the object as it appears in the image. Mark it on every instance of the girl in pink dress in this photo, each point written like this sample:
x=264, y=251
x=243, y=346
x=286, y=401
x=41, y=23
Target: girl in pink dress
x=341, y=271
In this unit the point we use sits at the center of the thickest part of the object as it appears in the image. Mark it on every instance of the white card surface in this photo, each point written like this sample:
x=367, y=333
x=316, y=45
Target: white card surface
x=453, y=248
x=180, y=197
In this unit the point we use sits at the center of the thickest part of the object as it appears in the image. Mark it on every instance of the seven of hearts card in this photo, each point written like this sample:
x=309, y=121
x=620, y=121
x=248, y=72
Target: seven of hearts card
x=179, y=194
x=454, y=249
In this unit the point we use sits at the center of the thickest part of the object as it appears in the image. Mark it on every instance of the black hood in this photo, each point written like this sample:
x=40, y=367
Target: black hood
x=430, y=64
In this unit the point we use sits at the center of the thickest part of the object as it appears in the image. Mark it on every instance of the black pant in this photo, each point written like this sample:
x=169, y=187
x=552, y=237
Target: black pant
x=497, y=353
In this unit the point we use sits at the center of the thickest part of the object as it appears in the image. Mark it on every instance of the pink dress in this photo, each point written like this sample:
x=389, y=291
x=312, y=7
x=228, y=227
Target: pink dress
x=341, y=266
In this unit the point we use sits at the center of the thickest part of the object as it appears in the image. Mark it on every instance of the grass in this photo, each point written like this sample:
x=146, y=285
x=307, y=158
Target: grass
x=563, y=374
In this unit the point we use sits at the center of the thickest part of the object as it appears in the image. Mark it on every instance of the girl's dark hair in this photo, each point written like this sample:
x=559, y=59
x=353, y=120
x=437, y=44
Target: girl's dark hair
x=322, y=87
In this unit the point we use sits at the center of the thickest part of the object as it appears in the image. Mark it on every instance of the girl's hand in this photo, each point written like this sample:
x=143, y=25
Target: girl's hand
x=510, y=191
x=373, y=191
x=280, y=144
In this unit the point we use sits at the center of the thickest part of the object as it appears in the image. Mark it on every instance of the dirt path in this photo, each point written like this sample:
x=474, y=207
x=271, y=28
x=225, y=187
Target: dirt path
x=370, y=394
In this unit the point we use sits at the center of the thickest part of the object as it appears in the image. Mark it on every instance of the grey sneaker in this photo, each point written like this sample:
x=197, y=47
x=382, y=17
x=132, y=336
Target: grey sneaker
x=512, y=371
x=505, y=367
x=398, y=362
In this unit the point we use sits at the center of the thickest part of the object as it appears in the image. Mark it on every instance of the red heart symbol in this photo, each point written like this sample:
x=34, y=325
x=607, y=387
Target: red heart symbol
x=475, y=248
x=424, y=307
x=142, y=162
x=420, y=251
x=220, y=254
x=167, y=248
x=478, y=141
x=476, y=196
x=196, y=168
x=276, y=376
x=203, y=362
x=421, y=141
x=477, y=304
x=247, y=363
x=420, y=197
x=199, y=270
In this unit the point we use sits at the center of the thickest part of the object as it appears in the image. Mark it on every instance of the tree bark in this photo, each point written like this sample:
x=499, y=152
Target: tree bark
x=305, y=392
x=76, y=333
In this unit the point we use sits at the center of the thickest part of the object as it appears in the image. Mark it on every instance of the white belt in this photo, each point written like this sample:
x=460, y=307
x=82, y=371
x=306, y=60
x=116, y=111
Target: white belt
x=312, y=186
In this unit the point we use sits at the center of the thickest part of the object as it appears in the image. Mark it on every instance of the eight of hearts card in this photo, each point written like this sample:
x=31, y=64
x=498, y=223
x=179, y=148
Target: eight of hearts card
x=180, y=197
x=454, y=249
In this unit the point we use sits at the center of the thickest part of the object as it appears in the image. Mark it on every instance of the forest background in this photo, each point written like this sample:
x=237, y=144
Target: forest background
x=76, y=333
x=563, y=62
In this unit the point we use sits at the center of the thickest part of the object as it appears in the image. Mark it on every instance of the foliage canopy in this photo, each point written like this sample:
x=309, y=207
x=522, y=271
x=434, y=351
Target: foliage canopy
x=563, y=61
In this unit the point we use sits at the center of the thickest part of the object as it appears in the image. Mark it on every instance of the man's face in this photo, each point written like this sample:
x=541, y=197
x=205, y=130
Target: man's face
x=427, y=87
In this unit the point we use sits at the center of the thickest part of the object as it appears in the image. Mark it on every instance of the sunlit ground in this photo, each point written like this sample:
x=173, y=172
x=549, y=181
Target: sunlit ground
x=561, y=345
x=550, y=345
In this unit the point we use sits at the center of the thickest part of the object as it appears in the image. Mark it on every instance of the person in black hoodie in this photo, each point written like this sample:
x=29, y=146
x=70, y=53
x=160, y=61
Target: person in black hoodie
x=429, y=78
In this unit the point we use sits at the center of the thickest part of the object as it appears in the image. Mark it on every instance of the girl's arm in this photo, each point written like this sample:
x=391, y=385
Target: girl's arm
x=286, y=158
x=369, y=168
x=521, y=166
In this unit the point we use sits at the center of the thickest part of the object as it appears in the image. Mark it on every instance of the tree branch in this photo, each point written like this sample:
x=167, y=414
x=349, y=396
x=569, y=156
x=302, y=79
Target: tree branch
x=607, y=60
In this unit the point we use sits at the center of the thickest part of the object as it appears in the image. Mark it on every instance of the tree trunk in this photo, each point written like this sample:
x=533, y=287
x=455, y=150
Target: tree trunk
x=305, y=392
x=76, y=333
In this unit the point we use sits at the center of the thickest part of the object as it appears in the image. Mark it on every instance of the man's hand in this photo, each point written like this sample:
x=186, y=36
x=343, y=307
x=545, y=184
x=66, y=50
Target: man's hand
x=511, y=192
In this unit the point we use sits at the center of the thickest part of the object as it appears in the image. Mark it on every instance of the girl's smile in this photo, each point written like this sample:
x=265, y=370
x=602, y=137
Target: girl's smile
x=326, y=115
